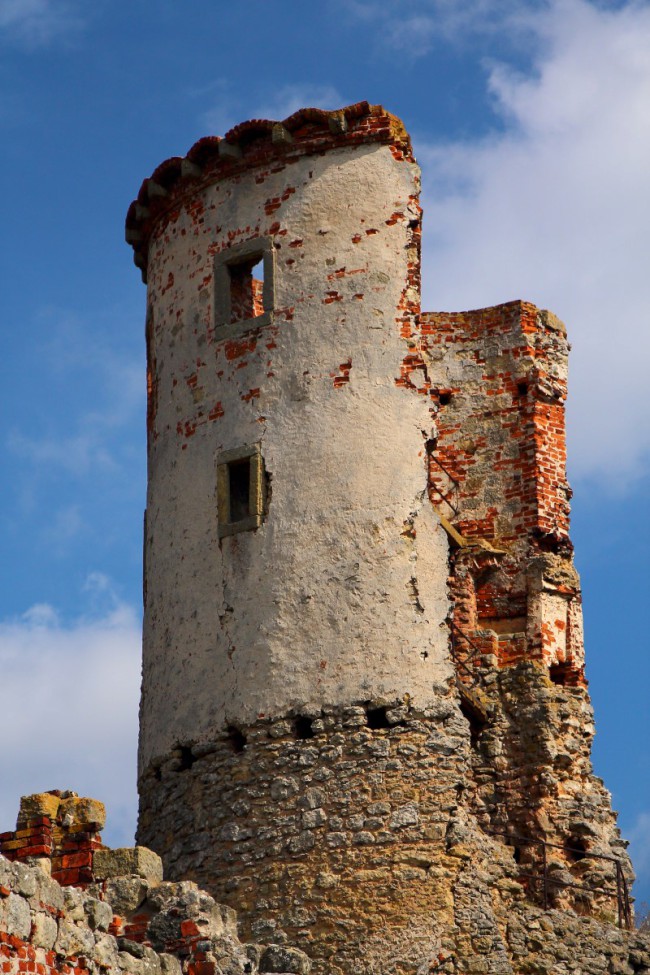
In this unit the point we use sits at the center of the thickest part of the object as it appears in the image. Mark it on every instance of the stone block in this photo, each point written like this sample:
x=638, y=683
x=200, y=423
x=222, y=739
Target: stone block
x=125, y=894
x=73, y=899
x=74, y=939
x=99, y=914
x=278, y=958
x=44, y=930
x=81, y=811
x=105, y=953
x=38, y=805
x=169, y=964
x=406, y=815
x=26, y=883
x=15, y=916
x=50, y=893
x=131, y=861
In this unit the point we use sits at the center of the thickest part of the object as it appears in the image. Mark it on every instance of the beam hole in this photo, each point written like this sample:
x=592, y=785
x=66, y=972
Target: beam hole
x=377, y=718
x=303, y=728
x=237, y=739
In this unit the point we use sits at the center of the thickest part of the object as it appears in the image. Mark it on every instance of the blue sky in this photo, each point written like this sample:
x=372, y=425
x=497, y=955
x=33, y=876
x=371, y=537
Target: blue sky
x=530, y=121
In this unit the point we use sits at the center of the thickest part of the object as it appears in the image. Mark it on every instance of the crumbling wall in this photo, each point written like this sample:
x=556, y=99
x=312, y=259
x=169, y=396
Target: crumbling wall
x=497, y=472
x=121, y=918
x=497, y=381
x=471, y=916
x=364, y=720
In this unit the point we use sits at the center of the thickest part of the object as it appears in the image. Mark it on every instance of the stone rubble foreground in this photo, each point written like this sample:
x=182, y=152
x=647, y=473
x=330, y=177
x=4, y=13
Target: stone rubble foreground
x=122, y=918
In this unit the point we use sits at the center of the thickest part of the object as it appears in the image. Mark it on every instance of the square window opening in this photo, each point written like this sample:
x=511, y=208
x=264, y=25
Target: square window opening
x=241, y=490
x=244, y=295
x=246, y=289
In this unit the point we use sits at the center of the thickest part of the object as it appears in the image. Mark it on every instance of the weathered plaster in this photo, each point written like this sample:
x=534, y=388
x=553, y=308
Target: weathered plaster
x=345, y=460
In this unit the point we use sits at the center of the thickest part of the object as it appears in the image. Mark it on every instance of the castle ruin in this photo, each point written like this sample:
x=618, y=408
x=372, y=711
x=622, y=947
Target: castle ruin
x=364, y=721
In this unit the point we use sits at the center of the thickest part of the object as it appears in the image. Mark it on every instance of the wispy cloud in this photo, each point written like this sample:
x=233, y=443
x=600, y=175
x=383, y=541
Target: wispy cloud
x=228, y=109
x=70, y=702
x=64, y=526
x=72, y=352
x=554, y=207
x=38, y=22
x=76, y=455
x=415, y=26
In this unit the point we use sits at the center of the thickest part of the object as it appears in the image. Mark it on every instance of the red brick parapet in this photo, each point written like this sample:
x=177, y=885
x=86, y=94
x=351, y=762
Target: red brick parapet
x=497, y=475
x=60, y=827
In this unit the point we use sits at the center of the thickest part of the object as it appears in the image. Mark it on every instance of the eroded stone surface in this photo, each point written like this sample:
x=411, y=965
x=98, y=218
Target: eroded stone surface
x=177, y=930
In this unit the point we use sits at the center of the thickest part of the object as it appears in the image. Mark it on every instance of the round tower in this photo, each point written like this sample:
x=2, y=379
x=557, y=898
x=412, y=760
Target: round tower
x=328, y=468
x=295, y=571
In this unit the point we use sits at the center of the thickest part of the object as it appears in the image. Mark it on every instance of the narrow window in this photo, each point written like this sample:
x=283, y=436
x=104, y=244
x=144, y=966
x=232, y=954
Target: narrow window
x=237, y=739
x=239, y=479
x=240, y=490
x=186, y=758
x=243, y=287
x=472, y=707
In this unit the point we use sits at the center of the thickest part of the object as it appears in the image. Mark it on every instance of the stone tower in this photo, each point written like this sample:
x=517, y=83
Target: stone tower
x=363, y=709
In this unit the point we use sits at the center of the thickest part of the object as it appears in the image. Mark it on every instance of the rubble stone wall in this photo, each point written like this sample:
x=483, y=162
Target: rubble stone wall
x=128, y=921
x=338, y=842
x=121, y=918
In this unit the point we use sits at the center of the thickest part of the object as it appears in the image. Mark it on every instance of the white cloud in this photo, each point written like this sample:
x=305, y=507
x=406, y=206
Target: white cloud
x=37, y=22
x=70, y=707
x=554, y=208
x=77, y=455
x=229, y=110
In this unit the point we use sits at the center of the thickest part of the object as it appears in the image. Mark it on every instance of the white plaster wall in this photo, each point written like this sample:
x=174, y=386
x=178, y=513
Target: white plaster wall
x=341, y=595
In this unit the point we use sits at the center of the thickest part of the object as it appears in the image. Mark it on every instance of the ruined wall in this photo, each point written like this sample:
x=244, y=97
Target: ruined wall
x=121, y=918
x=127, y=921
x=364, y=718
x=497, y=379
x=497, y=382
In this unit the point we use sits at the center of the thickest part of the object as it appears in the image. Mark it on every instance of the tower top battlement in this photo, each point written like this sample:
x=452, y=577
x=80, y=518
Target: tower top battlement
x=255, y=143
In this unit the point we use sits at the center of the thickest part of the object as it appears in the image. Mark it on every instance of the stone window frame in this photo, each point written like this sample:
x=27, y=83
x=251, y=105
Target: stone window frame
x=255, y=249
x=256, y=492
